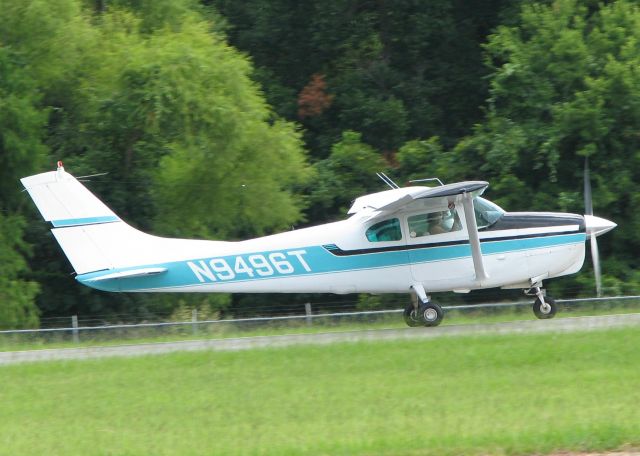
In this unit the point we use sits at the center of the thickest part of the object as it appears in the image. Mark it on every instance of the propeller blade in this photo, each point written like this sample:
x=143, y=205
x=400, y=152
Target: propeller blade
x=595, y=227
x=595, y=259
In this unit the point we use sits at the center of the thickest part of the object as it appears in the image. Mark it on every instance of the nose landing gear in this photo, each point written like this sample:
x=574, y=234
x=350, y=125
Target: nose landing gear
x=544, y=307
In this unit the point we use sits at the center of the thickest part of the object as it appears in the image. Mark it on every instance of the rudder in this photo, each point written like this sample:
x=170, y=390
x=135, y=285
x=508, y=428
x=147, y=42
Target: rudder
x=72, y=209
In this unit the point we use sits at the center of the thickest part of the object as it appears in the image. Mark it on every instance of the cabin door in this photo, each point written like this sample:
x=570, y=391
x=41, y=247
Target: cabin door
x=438, y=246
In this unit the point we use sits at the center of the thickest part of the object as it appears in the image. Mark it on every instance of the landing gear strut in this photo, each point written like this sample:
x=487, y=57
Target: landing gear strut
x=411, y=312
x=422, y=311
x=544, y=307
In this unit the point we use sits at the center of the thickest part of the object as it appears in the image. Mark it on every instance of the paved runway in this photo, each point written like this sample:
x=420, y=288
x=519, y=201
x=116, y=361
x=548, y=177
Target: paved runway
x=245, y=343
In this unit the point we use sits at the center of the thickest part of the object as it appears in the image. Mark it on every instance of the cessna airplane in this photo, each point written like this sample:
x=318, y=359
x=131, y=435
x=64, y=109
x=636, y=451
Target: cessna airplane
x=417, y=239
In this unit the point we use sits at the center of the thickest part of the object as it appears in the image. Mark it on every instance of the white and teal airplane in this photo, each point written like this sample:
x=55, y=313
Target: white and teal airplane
x=417, y=239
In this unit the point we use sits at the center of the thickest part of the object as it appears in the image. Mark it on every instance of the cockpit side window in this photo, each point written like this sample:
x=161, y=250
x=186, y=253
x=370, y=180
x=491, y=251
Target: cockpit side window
x=387, y=230
x=437, y=222
x=487, y=213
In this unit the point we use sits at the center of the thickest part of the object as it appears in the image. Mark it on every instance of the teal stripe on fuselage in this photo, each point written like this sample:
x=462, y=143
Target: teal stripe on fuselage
x=512, y=245
x=314, y=260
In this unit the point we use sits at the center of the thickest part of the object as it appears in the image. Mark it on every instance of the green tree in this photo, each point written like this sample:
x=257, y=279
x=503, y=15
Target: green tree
x=17, y=296
x=396, y=70
x=424, y=159
x=154, y=14
x=564, y=86
x=220, y=139
x=151, y=93
x=199, y=153
x=23, y=119
x=348, y=172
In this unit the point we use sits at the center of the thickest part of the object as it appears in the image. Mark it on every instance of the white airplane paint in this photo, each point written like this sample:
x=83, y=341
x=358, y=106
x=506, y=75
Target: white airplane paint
x=415, y=239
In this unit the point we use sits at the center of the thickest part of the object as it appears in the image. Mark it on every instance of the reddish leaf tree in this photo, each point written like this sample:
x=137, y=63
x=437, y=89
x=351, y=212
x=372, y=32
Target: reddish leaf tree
x=313, y=98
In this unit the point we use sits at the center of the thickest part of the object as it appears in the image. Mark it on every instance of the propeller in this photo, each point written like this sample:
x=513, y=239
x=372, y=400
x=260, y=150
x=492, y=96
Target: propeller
x=595, y=226
x=588, y=210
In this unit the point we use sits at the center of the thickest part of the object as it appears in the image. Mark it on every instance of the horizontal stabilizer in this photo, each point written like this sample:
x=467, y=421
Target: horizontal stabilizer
x=142, y=272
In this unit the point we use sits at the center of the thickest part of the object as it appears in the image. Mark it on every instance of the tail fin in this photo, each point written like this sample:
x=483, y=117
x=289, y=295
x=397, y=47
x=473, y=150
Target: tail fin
x=86, y=229
x=64, y=201
x=72, y=210
x=95, y=239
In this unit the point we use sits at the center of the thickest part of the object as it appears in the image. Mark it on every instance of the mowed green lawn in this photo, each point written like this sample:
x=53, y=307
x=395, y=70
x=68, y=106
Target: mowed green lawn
x=511, y=394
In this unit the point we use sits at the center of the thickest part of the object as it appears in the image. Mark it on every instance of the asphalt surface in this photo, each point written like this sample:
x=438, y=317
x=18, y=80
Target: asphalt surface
x=246, y=343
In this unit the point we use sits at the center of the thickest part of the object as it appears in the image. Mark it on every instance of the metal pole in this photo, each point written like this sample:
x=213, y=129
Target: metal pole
x=194, y=320
x=75, y=332
x=307, y=311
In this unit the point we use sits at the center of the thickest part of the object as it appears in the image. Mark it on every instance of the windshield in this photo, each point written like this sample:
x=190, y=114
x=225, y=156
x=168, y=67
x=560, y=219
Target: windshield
x=487, y=213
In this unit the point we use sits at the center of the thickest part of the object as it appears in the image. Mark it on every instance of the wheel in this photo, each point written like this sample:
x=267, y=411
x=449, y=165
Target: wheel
x=545, y=312
x=431, y=314
x=410, y=317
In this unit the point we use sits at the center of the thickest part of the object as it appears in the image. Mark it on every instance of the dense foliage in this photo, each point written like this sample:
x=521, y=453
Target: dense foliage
x=227, y=119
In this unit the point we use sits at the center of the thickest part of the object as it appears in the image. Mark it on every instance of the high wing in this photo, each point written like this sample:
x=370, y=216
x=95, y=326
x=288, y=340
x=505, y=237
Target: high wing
x=382, y=204
x=379, y=205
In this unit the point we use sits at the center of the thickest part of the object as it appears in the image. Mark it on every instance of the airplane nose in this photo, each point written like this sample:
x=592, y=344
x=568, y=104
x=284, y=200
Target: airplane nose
x=596, y=226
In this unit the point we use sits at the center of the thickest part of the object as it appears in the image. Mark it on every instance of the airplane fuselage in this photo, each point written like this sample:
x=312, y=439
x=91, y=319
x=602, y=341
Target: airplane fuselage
x=338, y=258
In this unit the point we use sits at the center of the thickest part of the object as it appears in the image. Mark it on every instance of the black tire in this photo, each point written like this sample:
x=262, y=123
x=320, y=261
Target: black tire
x=431, y=314
x=537, y=308
x=410, y=317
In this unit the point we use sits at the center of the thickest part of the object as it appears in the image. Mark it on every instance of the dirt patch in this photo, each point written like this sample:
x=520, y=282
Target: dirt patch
x=615, y=453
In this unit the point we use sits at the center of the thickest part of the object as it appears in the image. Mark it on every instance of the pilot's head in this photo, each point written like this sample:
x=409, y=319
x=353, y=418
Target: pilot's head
x=441, y=219
x=436, y=216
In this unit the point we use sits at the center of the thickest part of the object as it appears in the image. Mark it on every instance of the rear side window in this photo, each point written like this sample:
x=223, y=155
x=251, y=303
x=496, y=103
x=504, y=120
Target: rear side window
x=387, y=230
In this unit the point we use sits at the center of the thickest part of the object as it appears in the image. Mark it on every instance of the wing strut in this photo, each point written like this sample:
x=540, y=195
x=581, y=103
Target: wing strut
x=474, y=239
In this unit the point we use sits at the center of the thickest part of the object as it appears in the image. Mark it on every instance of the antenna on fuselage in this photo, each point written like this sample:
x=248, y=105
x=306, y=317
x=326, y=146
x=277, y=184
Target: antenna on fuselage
x=429, y=179
x=88, y=177
x=387, y=180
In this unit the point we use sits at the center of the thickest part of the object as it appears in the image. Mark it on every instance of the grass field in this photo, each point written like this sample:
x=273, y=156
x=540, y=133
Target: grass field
x=516, y=394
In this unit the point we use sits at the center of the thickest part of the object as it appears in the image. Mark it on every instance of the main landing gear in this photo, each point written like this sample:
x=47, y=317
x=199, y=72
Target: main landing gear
x=422, y=311
x=544, y=307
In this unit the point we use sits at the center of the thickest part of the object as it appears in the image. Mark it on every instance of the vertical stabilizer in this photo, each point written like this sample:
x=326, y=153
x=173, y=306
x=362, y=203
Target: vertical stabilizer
x=64, y=201
x=72, y=210
x=95, y=239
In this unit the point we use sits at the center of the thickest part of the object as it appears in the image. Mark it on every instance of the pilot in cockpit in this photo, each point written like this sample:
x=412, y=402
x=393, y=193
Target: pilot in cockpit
x=437, y=223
